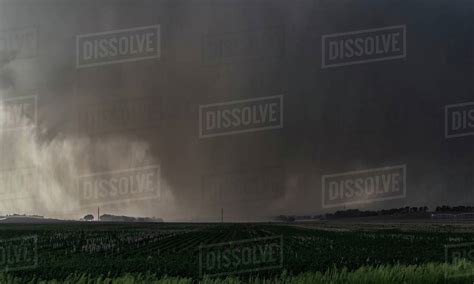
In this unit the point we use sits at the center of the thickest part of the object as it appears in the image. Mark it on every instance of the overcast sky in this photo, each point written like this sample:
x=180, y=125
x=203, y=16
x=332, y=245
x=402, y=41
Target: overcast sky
x=344, y=118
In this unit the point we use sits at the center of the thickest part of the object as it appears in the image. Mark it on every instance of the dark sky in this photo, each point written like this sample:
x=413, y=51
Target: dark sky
x=336, y=120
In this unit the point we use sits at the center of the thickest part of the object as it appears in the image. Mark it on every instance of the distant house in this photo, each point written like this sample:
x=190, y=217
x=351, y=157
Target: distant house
x=114, y=218
x=451, y=216
x=443, y=216
x=465, y=216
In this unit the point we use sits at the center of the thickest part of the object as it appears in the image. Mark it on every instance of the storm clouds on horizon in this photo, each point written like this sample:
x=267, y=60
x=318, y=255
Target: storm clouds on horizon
x=258, y=107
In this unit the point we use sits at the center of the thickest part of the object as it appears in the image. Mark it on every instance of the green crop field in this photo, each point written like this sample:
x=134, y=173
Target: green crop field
x=170, y=253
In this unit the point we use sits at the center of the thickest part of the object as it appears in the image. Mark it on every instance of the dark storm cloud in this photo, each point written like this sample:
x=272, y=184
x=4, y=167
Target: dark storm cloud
x=341, y=119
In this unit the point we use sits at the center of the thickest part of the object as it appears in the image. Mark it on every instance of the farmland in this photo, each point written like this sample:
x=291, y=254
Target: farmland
x=173, y=250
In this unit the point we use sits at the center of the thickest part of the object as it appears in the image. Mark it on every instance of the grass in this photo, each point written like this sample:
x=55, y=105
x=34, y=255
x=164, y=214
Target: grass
x=168, y=253
x=396, y=274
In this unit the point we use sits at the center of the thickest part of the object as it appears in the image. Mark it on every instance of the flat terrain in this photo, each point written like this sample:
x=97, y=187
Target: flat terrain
x=173, y=248
x=405, y=225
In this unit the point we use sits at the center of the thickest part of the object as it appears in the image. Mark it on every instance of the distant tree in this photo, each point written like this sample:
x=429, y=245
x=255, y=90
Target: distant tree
x=89, y=217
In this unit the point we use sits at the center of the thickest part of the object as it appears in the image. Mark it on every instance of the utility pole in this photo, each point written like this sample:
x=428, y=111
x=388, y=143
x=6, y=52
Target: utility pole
x=98, y=213
x=222, y=215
